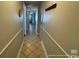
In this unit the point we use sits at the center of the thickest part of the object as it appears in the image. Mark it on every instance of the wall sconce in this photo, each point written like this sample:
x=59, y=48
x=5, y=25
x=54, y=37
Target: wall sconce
x=51, y=7
x=20, y=12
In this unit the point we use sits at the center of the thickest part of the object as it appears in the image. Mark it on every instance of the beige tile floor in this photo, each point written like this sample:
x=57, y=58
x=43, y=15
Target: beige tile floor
x=32, y=47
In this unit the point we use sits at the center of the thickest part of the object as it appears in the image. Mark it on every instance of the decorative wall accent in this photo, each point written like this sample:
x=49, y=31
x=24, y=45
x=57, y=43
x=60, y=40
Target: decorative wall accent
x=51, y=7
x=20, y=12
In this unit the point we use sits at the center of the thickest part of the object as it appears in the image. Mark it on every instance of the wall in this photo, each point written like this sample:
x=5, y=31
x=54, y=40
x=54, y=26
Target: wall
x=24, y=16
x=10, y=28
x=62, y=23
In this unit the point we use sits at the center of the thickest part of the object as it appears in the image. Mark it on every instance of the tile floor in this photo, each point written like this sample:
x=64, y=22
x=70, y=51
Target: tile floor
x=32, y=47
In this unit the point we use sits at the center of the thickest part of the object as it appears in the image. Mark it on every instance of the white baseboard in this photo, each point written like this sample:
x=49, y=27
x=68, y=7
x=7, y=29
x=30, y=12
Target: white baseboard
x=55, y=42
x=19, y=52
x=9, y=43
x=44, y=49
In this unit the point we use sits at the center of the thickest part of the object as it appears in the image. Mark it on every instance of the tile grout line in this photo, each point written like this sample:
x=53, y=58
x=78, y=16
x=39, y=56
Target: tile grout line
x=18, y=55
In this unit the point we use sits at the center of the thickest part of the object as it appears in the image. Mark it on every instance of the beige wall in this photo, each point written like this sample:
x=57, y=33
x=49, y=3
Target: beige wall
x=10, y=24
x=62, y=23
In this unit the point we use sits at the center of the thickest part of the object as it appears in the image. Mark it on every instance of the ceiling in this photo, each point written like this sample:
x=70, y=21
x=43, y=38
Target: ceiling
x=33, y=2
x=32, y=5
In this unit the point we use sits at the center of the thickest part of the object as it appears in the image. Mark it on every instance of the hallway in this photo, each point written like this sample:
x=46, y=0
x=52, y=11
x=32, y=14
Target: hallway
x=39, y=29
